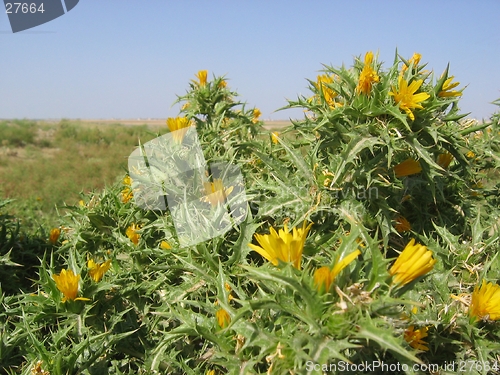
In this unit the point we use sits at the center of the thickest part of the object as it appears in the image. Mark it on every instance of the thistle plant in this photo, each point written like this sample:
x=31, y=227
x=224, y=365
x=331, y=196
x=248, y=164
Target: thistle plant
x=371, y=234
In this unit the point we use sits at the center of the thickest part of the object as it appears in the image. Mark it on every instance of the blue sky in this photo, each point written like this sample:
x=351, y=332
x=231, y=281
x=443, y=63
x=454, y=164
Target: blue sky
x=130, y=58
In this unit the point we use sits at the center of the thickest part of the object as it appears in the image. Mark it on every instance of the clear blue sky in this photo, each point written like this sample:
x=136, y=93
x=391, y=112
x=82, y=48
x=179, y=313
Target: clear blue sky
x=130, y=58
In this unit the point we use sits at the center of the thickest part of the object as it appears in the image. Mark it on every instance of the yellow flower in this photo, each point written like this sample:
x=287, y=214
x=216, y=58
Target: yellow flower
x=274, y=137
x=97, y=270
x=210, y=372
x=67, y=283
x=223, y=318
x=185, y=106
x=324, y=277
x=54, y=235
x=202, y=77
x=415, y=59
x=415, y=337
x=408, y=167
x=127, y=193
x=414, y=261
x=470, y=154
x=256, y=115
x=444, y=160
x=165, y=245
x=132, y=234
x=402, y=225
x=284, y=246
x=328, y=93
x=222, y=84
x=215, y=193
x=368, y=75
x=485, y=302
x=446, y=90
x=406, y=97
x=127, y=180
x=178, y=125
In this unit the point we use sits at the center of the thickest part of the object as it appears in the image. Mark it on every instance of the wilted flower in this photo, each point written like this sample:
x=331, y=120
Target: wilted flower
x=324, y=276
x=368, y=75
x=402, y=225
x=415, y=337
x=67, y=283
x=256, y=115
x=97, y=270
x=223, y=318
x=132, y=234
x=215, y=193
x=202, y=77
x=485, y=302
x=284, y=246
x=444, y=160
x=406, y=97
x=408, y=167
x=414, y=261
x=178, y=126
x=446, y=90
x=54, y=235
x=37, y=369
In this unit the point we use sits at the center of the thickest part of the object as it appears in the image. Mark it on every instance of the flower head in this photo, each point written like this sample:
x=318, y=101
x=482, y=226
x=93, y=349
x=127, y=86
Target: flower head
x=485, y=302
x=446, y=90
x=368, y=76
x=414, y=261
x=408, y=167
x=97, y=270
x=402, y=225
x=256, y=115
x=274, y=137
x=415, y=337
x=67, y=283
x=282, y=245
x=406, y=97
x=444, y=160
x=415, y=59
x=132, y=234
x=324, y=276
x=223, y=318
x=178, y=126
x=202, y=77
x=215, y=193
x=165, y=245
x=328, y=93
x=54, y=235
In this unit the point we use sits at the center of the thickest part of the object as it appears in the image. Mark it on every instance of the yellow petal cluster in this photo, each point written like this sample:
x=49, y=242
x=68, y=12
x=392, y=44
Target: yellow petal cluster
x=54, y=235
x=328, y=93
x=485, y=302
x=178, y=126
x=282, y=245
x=368, y=76
x=256, y=115
x=202, y=77
x=132, y=234
x=274, y=137
x=97, y=270
x=127, y=193
x=406, y=97
x=223, y=318
x=415, y=337
x=324, y=276
x=67, y=283
x=444, y=160
x=446, y=90
x=215, y=193
x=408, y=167
x=414, y=261
x=415, y=59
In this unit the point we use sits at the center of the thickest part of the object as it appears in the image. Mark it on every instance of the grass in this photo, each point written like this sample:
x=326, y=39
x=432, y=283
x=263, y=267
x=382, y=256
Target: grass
x=45, y=166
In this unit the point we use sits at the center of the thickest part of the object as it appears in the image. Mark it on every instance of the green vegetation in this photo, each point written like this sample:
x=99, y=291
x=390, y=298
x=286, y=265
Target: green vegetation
x=382, y=167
